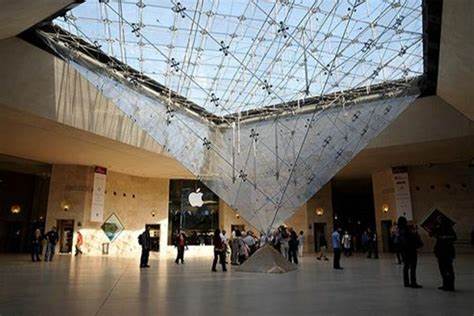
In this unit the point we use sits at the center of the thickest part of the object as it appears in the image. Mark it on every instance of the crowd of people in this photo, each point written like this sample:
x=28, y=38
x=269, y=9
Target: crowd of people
x=242, y=244
x=406, y=241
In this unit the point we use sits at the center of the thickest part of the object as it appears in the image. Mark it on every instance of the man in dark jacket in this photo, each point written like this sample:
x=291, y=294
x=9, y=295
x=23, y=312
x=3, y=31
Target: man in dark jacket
x=52, y=238
x=145, y=241
x=409, y=241
x=444, y=251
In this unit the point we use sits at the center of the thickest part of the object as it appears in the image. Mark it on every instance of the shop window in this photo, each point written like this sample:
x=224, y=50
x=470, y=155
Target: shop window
x=194, y=210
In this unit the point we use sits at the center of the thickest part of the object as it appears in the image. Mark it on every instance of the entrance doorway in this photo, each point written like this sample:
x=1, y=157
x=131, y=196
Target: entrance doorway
x=23, y=204
x=353, y=205
x=154, y=236
x=235, y=227
x=386, y=232
x=66, y=233
x=319, y=230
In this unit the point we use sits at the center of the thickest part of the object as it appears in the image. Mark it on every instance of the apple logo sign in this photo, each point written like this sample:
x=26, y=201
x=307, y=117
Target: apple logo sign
x=195, y=198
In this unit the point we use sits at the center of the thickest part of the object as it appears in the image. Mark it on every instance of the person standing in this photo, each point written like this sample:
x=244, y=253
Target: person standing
x=395, y=236
x=293, y=247
x=336, y=246
x=36, y=245
x=410, y=241
x=250, y=242
x=52, y=238
x=346, y=242
x=300, y=243
x=323, y=246
x=219, y=251
x=285, y=238
x=235, y=247
x=444, y=252
x=145, y=241
x=180, y=245
x=372, y=244
x=364, y=241
x=79, y=242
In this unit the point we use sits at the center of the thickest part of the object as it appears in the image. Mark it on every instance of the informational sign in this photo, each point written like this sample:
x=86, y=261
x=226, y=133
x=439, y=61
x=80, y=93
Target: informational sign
x=402, y=192
x=98, y=194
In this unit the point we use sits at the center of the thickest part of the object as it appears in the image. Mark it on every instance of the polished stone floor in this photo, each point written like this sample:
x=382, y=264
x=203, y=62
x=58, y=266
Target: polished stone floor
x=110, y=286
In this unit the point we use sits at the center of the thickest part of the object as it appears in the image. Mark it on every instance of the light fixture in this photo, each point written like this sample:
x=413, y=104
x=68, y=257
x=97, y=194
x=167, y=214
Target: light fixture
x=15, y=209
x=65, y=206
x=237, y=215
x=385, y=208
x=319, y=211
x=153, y=213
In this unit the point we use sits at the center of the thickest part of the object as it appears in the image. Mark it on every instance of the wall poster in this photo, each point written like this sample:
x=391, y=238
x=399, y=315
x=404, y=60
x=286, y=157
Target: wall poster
x=98, y=194
x=402, y=192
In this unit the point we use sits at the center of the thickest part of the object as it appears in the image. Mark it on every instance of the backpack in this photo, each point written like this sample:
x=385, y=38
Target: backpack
x=140, y=239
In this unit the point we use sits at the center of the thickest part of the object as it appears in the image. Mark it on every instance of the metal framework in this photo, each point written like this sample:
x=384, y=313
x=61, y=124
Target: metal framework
x=264, y=101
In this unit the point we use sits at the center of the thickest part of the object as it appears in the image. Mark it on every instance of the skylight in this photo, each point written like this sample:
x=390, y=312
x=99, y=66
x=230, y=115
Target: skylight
x=233, y=56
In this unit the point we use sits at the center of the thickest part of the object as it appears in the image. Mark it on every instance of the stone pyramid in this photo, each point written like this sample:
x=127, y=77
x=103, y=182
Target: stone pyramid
x=266, y=260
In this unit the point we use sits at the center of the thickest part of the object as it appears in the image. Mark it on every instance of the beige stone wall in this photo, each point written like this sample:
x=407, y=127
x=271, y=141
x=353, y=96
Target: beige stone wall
x=384, y=193
x=70, y=185
x=299, y=222
x=227, y=217
x=135, y=201
x=449, y=188
x=322, y=199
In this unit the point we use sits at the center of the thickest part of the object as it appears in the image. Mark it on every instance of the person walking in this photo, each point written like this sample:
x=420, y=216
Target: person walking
x=36, y=245
x=301, y=243
x=410, y=241
x=52, y=238
x=219, y=251
x=346, y=242
x=444, y=252
x=336, y=246
x=323, y=246
x=79, y=242
x=145, y=241
x=293, y=247
x=180, y=245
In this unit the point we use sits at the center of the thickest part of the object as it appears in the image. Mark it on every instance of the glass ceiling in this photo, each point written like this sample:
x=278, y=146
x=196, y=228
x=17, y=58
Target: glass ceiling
x=232, y=56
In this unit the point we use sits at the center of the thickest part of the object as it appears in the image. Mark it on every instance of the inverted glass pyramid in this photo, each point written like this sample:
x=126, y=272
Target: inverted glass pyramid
x=269, y=152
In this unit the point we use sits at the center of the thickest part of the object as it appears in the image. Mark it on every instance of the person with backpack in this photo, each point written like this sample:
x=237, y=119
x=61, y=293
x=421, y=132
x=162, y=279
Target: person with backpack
x=144, y=240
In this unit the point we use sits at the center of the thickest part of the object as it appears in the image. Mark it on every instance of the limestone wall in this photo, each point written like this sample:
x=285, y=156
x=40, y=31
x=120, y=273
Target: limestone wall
x=322, y=199
x=228, y=217
x=450, y=188
x=136, y=201
x=447, y=187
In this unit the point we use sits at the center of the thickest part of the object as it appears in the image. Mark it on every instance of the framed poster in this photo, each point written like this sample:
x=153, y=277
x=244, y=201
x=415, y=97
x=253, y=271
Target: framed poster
x=98, y=194
x=112, y=227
